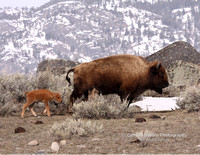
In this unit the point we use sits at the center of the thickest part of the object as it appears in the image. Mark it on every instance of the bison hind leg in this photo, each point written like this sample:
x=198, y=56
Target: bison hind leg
x=85, y=96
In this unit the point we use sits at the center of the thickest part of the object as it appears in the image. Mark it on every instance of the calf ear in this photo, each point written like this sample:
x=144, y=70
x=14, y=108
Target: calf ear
x=155, y=67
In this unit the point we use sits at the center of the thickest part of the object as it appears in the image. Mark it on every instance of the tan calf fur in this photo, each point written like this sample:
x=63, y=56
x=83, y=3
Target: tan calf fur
x=41, y=95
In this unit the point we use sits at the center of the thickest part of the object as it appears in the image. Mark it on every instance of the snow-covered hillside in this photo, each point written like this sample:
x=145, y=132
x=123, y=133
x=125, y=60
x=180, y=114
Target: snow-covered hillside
x=83, y=30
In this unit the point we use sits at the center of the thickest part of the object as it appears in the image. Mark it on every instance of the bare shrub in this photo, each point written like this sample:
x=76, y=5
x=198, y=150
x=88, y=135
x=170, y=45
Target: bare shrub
x=10, y=109
x=12, y=88
x=170, y=91
x=71, y=127
x=16, y=84
x=104, y=107
x=190, y=99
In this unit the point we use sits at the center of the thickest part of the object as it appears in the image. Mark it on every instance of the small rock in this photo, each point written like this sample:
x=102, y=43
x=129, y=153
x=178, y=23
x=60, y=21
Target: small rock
x=63, y=142
x=39, y=122
x=95, y=139
x=154, y=116
x=140, y=120
x=163, y=117
x=81, y=146
x=81, y=132
x=136, y=141
x=33, y=143
x=41, y=151
x=55, y=147
x=198, y=146
x=20, y=130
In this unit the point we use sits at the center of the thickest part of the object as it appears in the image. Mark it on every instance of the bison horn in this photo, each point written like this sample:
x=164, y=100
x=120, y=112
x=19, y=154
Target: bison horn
x=158, y=65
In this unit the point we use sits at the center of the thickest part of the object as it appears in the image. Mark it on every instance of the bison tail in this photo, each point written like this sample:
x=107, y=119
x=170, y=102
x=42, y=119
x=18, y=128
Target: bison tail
x=67, y=77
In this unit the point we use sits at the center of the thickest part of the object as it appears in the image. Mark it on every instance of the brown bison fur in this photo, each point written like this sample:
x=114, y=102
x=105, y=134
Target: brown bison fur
x=125, y=75
x=41, y=95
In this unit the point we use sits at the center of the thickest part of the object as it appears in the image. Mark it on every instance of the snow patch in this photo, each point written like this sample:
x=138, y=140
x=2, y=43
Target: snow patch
x=157, y=104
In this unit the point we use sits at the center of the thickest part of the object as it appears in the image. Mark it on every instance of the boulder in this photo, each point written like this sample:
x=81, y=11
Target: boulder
x=55, y=66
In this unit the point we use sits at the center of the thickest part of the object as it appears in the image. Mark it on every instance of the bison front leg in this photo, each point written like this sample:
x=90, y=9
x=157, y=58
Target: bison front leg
x=130, y=101
x=71, y=101
x=72, y=98
x=75, y=94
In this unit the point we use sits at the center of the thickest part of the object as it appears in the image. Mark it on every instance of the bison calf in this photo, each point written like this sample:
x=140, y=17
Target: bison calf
x=41, y=95
x=125, y=75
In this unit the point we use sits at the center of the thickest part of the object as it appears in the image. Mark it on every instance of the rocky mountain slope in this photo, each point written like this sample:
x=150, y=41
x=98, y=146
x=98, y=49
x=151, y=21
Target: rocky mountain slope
x=176, y=51
x=83, y=30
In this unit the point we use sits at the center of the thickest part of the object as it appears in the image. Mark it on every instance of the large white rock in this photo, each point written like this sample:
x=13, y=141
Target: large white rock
x=55, y=147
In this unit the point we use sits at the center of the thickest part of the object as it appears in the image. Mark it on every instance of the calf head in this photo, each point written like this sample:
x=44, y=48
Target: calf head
x=57, y=97
x=158, y=77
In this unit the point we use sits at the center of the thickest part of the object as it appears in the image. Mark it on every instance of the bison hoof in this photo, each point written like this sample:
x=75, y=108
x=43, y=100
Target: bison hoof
x=71, y=113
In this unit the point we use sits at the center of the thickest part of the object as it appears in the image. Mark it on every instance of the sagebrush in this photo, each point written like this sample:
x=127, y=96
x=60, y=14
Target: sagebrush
x=106, y=107
x=71, y=127
x=12, y=88
x=190, y=99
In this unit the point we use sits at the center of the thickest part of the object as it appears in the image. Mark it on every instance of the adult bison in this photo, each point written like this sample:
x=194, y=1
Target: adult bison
x=125, y=75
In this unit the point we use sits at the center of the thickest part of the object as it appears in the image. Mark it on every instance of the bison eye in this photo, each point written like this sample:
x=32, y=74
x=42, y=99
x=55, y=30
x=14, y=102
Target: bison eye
x=161, y=74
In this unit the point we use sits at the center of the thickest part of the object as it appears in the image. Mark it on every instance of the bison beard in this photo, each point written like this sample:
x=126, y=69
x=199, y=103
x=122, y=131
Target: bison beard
x=125, y=75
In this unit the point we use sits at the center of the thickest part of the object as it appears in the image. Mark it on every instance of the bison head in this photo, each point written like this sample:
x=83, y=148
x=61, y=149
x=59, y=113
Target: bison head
x=158, y=76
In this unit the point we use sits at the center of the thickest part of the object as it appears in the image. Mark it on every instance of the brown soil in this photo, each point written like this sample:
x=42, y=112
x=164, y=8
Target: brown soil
x=175, y=132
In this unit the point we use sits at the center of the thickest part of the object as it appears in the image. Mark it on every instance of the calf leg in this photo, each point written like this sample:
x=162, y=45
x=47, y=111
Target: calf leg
x=33, y=112
x=47, y=108
x=31, y=108
x=27, y=104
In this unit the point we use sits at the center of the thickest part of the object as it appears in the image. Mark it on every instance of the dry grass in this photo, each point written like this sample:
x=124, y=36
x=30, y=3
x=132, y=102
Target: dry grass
x=116, y=136
x=106, y=107
x=190, y=99
x=71, y=127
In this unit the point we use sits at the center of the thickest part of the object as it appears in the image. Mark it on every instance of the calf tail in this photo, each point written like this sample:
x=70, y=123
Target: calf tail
x=67, y=78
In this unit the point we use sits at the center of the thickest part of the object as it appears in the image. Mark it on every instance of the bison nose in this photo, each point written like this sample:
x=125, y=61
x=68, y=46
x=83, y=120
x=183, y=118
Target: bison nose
x=167, y=84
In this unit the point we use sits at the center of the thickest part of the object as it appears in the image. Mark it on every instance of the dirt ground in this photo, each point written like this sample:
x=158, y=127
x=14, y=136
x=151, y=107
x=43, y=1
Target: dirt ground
x=177, y=132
